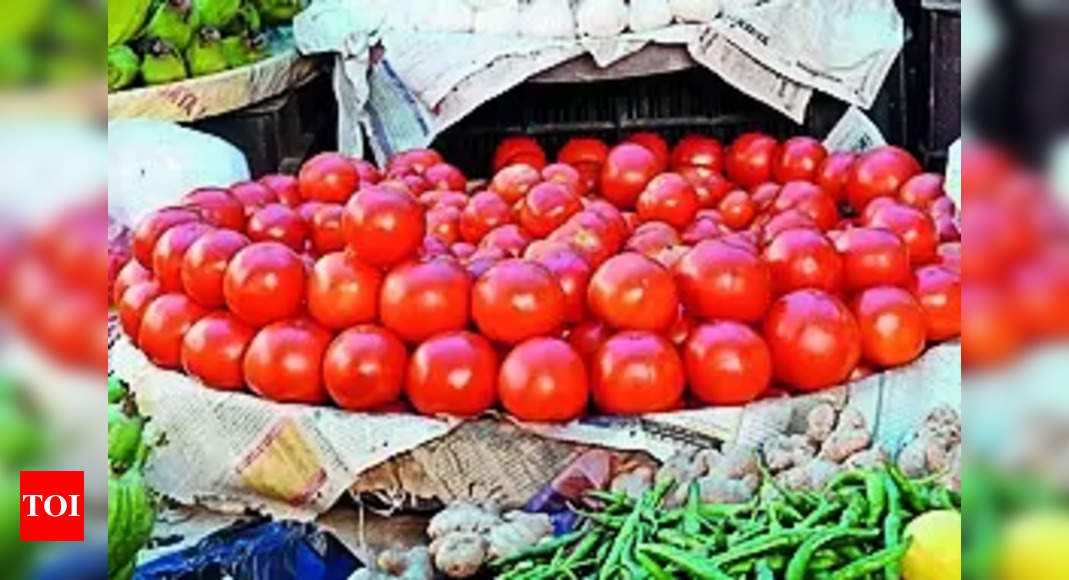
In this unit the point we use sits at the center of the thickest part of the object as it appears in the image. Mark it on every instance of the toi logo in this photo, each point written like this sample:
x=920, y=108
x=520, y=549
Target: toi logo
x=51, y=506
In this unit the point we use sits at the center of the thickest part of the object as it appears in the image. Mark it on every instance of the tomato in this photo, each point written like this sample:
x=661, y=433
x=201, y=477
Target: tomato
x=383, y=228
x=799, y=158
x=546, y=207
x=737, y=209
x=308, y=209
x=445, y=177
x=946, y=229
x=169, y=251
x=284, y=361
x=744, y=240
x=814, y=340
x=218, y=207
x=150, y=229
x=702, y=228
x=325, y=230
x=516, y=300
x=329, y=177
x=802, y=258
x=914, y=227
x=656, y=144
x=631, y=291
x=264, y=282
x=723, y=281
x=462, y=250
x=543, y=380
x=697, y=151
x=485, y=211
x=651, y=238
x=364, y=368
x=879, y=173
x=285, y=187
x=589, y=234
x=131, y=273
x=627, y=170
x=509, y=238
x=253, y=195
x=482, y=259
x=132, y=305
x=636, y=372
x=342, y=291
x=435, y=198
x=748, y=161
x=583, y=150
x=421, y=299
x=572, y=273
x=414, y=160
x=213, y=350
x=991, y=334
x=938, y=290
x=565, y=175
x=710, y=187
x=892, y=325
x=727, y=363
x=791, y=219
x=414, y=185
x=832, y=174
x=443, y=222
x=511, y=147
x=163, y=324
x=204, y=265
x=588, y=336
x=618, y=228
x=950, y=256
x=921, y=190
x=872, y=257
x=453, y=373
x=513, y=182
x=942, y=206
x=275, y=222
x=810, y=200
x=669, y=198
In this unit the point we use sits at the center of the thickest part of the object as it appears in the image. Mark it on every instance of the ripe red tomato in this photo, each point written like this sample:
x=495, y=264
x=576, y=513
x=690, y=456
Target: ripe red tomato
x=631, y=291
x=702, y=228
x=213, y=350
x=342, y=291
x=914, y=227
x=810, y=200
x=588, y=336
x=382, y=227
x=798, y=159
x=656, y=144
x=163, y=324
x=284, y=361
x=565, y=175
x=618, y=228
x=445, y=177
x=748, y=161
x=879, y=173
x=150, y=229
x=422, y=299
x=132, y=305
x=942, y=206
x=131, y=273
x=264, y=282
x=636, y=372
x=950, y=256
x=546, y=207
x=171, y=249
x=285, y=187
x=939, y=292
x=947, y=229
x=308, y=209
x=325, y=230
x=583, y=150
x=764, y=194
x=204, y=265
x=414, y=185
x=514, y=181
x=369, y=174
x=727, y=363
x=485, y=211
x=814, y=340
x=652, y=238
x=627, y=170
x=711, y=187
x=516, y=300
x=791, y=219
x=892, y=325
x=669, y=198
x=832, y=174
x=921, y=190
x=434, y=198
x=509, y=238
x=572, y=273
x=329, y=177
x=481, y=260
x=591, y=235
x=443, y=222
x=872, y=257
x=275, y=222
x=697, y=151
x=543, y=380
x=803, y=258
x=722, y=281
x=218, y=207
x=414, y=160
x=737, y=209
x=253, y=195
x=364, y=368
x=453, y=373
x=511, y=147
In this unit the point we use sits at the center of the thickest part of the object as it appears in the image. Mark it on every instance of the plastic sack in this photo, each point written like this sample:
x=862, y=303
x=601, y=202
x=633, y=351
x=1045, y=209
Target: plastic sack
x=258, y=550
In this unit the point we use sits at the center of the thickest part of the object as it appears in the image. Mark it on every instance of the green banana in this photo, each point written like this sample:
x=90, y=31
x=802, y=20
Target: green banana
x=125, y=18
x=123, y=65
x=173, y=22
x=215, y=13
x=162, y=64
x=243, y=50
x=205, y=55
x=278, y=11
x=246, y=22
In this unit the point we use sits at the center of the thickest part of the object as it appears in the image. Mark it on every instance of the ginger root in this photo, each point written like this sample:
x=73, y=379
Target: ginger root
x=459, y=554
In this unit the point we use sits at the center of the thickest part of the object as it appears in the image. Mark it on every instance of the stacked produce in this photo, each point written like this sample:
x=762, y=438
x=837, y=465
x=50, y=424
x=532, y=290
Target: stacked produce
x=636, y=277
x=162, y=41
x=131, y=511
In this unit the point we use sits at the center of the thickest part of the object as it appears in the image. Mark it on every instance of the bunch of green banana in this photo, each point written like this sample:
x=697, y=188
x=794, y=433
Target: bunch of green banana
x=162, y=63
x=123, y=66
x=215, y=13
x=278, y=11
x=131, y=510
x=244, y=49
x=205, y=55
x=173, y=22
x=125, y=18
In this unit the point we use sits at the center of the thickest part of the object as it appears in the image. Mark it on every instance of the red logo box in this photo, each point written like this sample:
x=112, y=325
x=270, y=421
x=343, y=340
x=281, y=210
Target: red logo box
x=51, y=506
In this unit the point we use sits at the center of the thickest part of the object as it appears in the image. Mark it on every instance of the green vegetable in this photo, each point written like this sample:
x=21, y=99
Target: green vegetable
x=116, y=388
x=541, y=549
x=125, y=18
x=215, y=13
x=162, y=64
x=697, y=567
x=652, y=568
x=205, y=54
x=892, y=524
x=124, y=437
x=173, y=22
x=131, y=515
x=123, y=66
x=242, y=50
x=799, y=563
x=870, y=564
x=278, y=11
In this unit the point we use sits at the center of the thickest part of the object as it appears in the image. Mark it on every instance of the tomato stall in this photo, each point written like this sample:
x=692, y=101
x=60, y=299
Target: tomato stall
x=614, y=306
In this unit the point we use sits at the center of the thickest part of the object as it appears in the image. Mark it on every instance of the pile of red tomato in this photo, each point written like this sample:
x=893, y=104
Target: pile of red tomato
x=637, y=277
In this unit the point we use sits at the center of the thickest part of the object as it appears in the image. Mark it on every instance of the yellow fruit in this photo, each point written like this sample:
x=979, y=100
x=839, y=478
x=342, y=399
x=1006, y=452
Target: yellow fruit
x=1034, y=546
x=935, y=550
